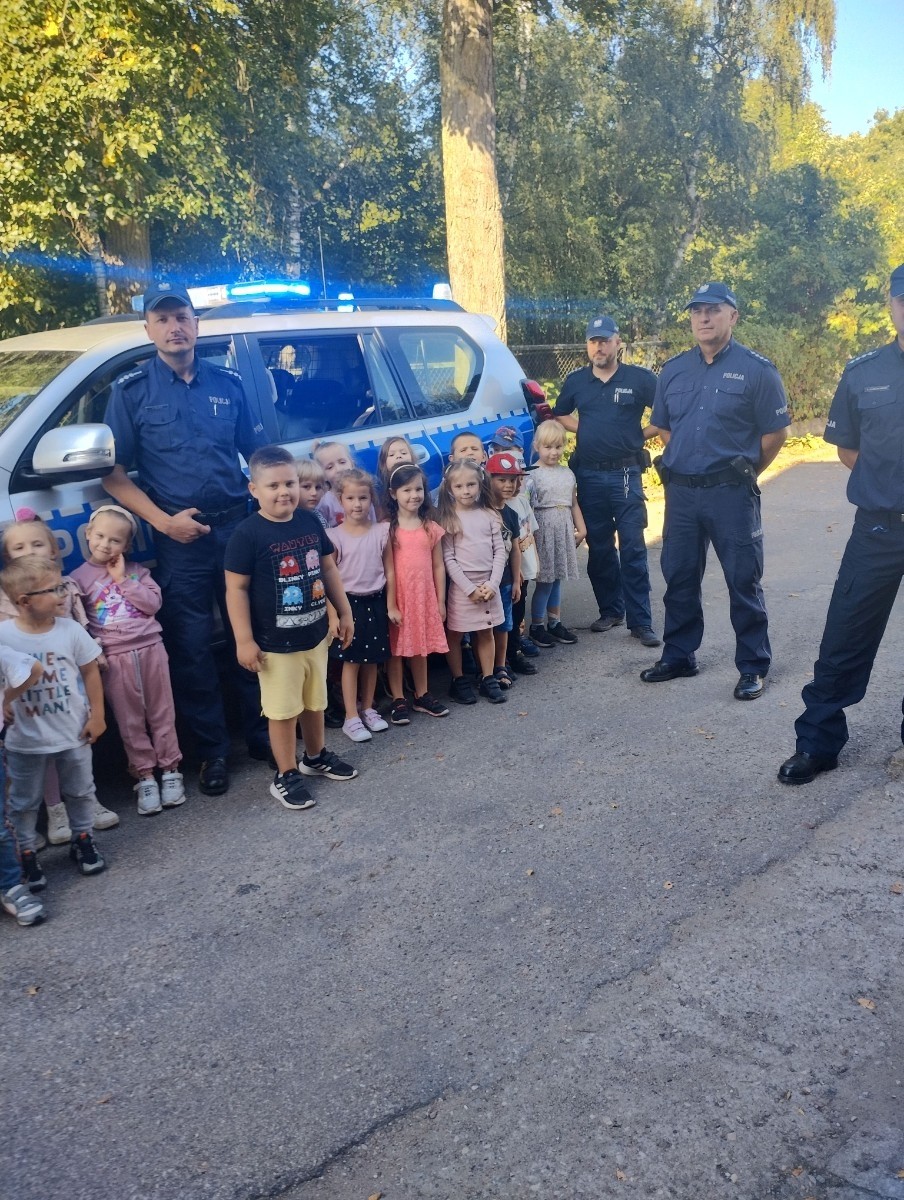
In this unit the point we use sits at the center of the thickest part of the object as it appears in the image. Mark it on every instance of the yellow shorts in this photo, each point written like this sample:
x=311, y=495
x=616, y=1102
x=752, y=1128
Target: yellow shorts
x=293, y=683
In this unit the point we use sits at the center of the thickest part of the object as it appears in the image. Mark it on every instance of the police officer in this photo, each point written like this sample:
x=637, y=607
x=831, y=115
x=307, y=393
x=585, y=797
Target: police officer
x=610, y=399
x=181, y=421
x=723, y=414
x=866, y=423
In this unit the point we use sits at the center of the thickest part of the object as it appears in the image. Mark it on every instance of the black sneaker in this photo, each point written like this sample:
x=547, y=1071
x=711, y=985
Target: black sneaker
x=83, y=852
x=334, y=718
x=289, y=789
x=399, y=712
x=521, y=665
x=427, y=704
x=31, y=871
x=489, y=687
x=540, y=637
x=462, y=691
x=327, y=764
x=561, y=634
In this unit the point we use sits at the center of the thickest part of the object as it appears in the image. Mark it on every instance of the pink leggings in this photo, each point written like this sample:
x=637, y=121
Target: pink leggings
x=138, y=689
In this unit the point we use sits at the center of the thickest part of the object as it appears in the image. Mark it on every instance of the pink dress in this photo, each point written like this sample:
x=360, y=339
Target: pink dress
x=421, y=631
x=476, y=555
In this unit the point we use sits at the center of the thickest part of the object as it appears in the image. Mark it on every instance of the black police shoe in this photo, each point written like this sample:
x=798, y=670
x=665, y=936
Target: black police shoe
x=662, y=671
x=803, y=767
x=520, y=664
x=604, y=624
x=749, y=687
x=213, y=779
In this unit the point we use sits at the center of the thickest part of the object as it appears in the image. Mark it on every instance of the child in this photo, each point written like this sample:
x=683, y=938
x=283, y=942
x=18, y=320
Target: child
x=505, y=473
x=475, y=558
x=364, y=558
x=561, y=529
x=520, y=649
x=394, y=451
x=311, y=486
x=55, y=720
x=335, y=459
x=121, y=599
x=418, y=591
x=18, y=672
x=28, y=534
x=279, y=571
x=464, y=447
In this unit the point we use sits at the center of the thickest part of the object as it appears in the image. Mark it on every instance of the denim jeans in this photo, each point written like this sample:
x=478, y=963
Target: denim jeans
x=613, y=503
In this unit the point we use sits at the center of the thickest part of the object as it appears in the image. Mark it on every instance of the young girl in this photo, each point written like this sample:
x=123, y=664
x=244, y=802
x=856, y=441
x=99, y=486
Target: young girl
x=121, y=599
x=418, y=591
x=394, y=451
x=475, y=559
x=553, y=494
x=29, y=535
x=334, y=458
x=364, y=558
x=311, y=486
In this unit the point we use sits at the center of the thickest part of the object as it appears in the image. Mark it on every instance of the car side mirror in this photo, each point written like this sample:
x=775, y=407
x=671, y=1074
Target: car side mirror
x=82, y=448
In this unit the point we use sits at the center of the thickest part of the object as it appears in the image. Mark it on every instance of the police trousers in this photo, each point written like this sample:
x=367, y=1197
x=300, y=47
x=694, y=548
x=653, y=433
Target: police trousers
x=192, y=580
x=613, y=503
x=865, y=590
x=728, y=516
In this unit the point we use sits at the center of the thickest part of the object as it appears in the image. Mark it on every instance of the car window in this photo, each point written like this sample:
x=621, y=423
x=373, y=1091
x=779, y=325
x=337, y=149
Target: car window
x=23, y=373
x=444, y=369
x=321, y=385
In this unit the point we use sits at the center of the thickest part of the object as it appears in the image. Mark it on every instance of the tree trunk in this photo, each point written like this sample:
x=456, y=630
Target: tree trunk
x=474, y=231
x=129, y=257
x=695, y=222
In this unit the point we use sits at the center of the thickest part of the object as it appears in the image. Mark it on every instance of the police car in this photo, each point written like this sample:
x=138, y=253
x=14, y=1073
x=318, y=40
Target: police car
x=358, y=371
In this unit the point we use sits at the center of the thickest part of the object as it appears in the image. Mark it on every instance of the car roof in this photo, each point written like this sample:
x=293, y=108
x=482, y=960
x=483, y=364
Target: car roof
x=127, y=334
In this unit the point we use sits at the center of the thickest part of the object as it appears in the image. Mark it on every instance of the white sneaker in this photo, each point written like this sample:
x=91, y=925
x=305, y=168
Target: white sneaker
x=58, y=831
x=373, y=720
x=103, y=818
x=148, y=797
x=40, y=841
x=355, y=730
x=172, y=791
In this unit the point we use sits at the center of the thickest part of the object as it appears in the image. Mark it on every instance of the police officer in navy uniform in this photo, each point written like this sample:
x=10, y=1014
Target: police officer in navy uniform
x=723, y=414
x=181, y=421
x=866, y=424
x=610, y=399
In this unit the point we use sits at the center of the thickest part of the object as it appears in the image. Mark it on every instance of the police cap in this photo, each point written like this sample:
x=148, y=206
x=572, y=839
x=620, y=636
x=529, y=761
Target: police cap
x=713, y=293
x=897, y=281
x=601, y=327
x=158, y=292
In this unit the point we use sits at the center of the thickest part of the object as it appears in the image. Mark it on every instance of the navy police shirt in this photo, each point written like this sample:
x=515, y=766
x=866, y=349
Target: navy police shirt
x=719, y=410
x=867, y=414
x=611, y=413
x=184, y=438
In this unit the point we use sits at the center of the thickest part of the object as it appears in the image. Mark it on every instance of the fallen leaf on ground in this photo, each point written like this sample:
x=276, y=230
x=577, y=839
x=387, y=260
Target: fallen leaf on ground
x=555, y=812
x=105, y=1099
x=897, y=888
x=32, y=990
x=668, y=885
x=529, y=871
x=375, y=1196
x=865, y=1002
x=797, y=1172
x=900, y=1174
x=620, y=1175
x=440, y=757
x=522, y=714
x=705, y=733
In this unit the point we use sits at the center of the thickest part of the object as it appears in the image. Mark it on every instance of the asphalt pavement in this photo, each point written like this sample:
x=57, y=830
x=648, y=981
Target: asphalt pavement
x=582, y=945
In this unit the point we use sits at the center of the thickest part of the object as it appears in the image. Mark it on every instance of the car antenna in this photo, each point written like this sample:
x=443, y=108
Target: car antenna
x=322, y=269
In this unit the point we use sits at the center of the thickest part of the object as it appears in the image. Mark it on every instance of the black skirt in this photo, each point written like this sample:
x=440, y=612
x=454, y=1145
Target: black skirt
x=371, y=641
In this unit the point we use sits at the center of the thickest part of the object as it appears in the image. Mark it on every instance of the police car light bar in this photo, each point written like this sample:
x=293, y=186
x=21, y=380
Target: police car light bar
x=268, y=289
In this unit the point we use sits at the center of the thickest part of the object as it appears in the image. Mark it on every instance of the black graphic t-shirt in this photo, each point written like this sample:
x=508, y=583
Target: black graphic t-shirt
x=288, y=599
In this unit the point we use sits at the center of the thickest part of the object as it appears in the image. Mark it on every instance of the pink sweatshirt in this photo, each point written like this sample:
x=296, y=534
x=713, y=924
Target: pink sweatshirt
x=120, y=615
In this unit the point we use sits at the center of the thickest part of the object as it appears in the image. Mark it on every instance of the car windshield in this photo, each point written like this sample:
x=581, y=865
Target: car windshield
x=22, y=375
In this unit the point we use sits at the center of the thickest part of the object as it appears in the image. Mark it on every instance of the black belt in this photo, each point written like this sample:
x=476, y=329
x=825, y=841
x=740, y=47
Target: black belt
x=223, y=516
x=881, y=514
x=711, y=479
x=611, y=464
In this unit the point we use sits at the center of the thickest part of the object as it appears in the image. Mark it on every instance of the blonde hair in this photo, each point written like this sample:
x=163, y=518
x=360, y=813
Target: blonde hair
x=549, y=433
x=445, y=509
x=355, y=475
x=25, y=574
x=121, y=514
x=310, y=471
x=35, y=523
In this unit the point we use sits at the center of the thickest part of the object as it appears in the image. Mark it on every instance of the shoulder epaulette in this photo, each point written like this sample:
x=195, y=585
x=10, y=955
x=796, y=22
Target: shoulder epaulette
x=862, y=358
x=755, y=354
x=131, y=376
x=680, y=354
x=227, y=371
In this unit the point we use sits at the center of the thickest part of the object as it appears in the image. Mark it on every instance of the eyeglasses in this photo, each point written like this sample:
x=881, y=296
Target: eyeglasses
x=59, y=590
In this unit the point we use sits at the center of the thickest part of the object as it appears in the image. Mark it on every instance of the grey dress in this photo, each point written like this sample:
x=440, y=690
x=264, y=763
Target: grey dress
x=551, y=490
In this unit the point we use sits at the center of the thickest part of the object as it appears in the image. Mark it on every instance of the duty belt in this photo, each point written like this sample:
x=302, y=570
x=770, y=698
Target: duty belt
x=611, y=464
x=882, y=514
x=710, y=479
x=223, y=516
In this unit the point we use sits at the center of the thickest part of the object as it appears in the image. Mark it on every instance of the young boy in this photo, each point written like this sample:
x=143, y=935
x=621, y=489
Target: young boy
x=280, y=569
x=55, y=718
x=465, y=445
x=17, y=673
x=505, y=473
